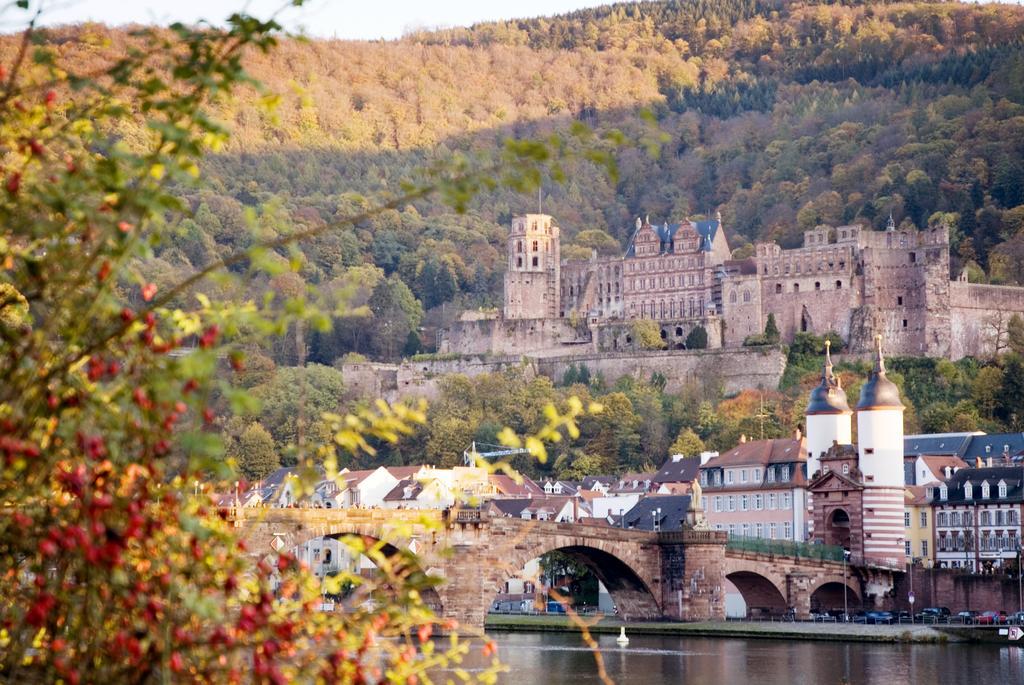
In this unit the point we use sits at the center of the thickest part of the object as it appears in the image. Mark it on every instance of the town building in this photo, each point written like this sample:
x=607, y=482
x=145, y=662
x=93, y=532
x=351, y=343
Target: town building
x=758, y=489
x=977, y=513
x=919, y=543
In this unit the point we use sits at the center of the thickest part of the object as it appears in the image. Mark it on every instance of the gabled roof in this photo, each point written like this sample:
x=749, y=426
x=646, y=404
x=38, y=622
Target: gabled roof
x=683, y=470
x=847, y=480
x=666, y=234
x=403, y=472
x=506, y=485
x=590, y=481
x=917, y=495
x=670, y=518
x=937, y=465
x=398, y=493
x=510, y=507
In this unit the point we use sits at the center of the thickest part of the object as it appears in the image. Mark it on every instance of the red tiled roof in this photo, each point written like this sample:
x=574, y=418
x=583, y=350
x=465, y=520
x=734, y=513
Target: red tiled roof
x=506, y=485
x=937, y=464
x=756, y=452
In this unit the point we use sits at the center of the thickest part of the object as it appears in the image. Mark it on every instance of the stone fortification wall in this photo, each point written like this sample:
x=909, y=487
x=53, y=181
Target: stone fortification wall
x=618, y=337
x=511, y=336
x=732, y=370
x=955, y=590
x=980, y=313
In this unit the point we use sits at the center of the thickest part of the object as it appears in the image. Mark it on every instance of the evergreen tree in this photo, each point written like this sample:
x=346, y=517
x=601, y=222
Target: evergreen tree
x=771, y=330
x=396, y=313
x=697, y=339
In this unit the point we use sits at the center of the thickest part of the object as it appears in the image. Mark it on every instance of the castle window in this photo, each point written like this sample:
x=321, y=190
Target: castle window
x=535, y=261
x=899, y=300
x=839, y=285
x=519, y=261
x=679, y=331
x=796, y=287
x=732, y=297
x=778, y=288
x=746, y=296
x=904, y=323
x=817, y=285
x=913, y=257
x=519, y=246
x=535, y=245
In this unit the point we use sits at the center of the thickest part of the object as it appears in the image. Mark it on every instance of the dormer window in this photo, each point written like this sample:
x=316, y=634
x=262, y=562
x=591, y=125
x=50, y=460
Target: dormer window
x=785, y=473
x=943, y=492
x=984, y=490
x=988, y=449
x=846, y=469
x=1002, y=489
x=968, y=490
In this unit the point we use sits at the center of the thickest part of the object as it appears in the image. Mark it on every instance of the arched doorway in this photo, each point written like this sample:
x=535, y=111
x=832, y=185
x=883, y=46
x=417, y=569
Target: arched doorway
x=837, y=528
x=761, y=596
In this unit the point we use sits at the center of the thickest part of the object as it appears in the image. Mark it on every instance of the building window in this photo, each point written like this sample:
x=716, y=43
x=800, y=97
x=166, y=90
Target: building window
x=758, y=502
x=786, y=501
x=817, y=285
x=985, y=518
x=943, y=492
x=846, y=469
x=771, y=475
x=796, y=287
x=535, y=261
x=1011, y=517
x=728, y=477
x=743, y=475
x=787, y=530
x=778, y=288
x=1002, y=489
x=942, y=519
x=534, y=245
x=924, y=519
x=718, y=503
x=771, y=501
x=924, y=548
x=759, y=530
x=839, y=285
x=519, y=262
x=755, y=475
x=906, y=520
x=784, y=475
x=732, y=529
x=904, y=323
x=744, y=501
x=731, y=503
x=906, y=548
x=968, y=490
x=773, y=530
x=519, y=246
x=746, y=530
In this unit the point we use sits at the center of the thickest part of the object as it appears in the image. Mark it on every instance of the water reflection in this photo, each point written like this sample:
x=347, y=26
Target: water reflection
x=541, y=658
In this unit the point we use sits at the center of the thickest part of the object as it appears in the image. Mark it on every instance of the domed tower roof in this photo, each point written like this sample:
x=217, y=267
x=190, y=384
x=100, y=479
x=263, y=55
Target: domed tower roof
x=879, y=392
x=828, y=397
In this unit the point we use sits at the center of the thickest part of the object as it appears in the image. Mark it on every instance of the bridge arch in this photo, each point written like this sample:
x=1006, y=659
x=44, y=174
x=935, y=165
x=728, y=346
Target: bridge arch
x=283, y=530
x=762, y=596
x=630, y=581
x=827, y=594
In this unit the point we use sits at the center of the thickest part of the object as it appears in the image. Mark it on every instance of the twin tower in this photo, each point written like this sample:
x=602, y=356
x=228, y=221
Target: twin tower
x=857, y=496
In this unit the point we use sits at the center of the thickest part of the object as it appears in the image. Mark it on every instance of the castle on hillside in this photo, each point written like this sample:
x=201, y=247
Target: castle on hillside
x=852, y=280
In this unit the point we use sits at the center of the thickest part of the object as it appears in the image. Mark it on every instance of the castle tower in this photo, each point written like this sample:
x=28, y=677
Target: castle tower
x=533, y=278
x=829, y=419
x=880, y=460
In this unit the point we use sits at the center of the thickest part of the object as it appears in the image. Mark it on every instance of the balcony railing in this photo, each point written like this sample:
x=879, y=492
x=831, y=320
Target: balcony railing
x=785, y=548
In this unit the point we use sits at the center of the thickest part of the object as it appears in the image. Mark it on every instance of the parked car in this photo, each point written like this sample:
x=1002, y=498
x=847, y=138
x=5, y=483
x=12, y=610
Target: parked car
x=902, y=617
x=859, y=617
x=990, y=618
x=879, y=617
x=967, y=617
x=933, y=615
x=1016, y=619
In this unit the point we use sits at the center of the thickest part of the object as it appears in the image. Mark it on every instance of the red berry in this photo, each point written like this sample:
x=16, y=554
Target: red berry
x=14, y=183
x=148, y=291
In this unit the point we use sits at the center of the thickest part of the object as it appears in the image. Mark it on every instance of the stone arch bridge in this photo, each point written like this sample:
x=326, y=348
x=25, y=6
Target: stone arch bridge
x=650, y=575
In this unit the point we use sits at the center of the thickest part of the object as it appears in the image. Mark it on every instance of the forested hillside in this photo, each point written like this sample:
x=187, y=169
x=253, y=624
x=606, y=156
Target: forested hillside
x=782, y=115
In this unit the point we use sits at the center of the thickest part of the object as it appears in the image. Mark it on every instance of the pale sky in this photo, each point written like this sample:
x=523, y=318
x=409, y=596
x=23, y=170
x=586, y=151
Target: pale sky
x=365, y=19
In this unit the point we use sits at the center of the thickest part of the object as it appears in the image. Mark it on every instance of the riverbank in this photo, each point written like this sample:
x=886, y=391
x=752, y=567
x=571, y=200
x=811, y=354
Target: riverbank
x=848, y=632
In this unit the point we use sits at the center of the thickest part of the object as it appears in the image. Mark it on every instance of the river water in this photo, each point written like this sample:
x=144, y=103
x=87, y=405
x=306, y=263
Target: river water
x=549, y=658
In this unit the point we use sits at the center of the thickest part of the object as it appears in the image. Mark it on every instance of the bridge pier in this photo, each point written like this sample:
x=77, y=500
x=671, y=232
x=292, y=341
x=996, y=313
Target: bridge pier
x=798, y=594
x=693, y=576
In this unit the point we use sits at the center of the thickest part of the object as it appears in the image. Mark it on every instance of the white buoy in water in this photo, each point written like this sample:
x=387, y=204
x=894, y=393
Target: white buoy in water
x=622, y=639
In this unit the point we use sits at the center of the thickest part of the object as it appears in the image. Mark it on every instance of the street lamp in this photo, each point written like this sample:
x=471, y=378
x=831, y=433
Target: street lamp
x=846, y=609
x=1020, y=572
